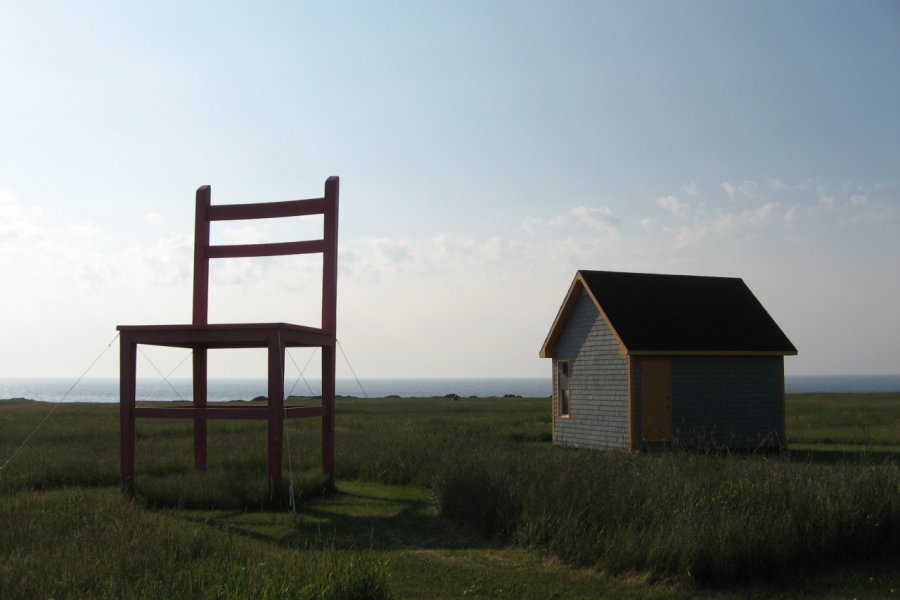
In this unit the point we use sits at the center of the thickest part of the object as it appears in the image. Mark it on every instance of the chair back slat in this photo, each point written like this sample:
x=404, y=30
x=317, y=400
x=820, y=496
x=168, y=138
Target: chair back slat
x=267, y=210
x=203, y=251
x=273, y=249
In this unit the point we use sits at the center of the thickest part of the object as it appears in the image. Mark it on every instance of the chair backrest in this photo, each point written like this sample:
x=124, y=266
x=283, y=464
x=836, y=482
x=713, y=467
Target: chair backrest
x=203, y=251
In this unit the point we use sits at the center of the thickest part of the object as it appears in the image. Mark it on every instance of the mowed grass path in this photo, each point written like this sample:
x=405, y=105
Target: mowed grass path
x=68, y=532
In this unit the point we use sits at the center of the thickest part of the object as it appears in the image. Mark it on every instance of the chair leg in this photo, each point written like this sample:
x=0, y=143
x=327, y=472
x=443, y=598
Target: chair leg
x=328, y=374
x=127, y=392
x=200, y=402
x=276, y=411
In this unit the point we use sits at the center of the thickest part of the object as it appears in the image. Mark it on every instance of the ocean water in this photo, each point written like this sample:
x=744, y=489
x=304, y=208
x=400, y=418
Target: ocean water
x=220, y=390
x=107, y=390
x=802, y=384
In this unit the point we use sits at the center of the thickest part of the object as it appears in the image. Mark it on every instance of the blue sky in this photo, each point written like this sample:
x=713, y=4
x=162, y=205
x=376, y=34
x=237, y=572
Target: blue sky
x=486, y=151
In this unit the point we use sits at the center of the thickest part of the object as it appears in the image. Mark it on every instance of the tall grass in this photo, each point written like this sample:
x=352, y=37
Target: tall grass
x=82, y=543
x=858, y=419
x=710, y=519
x=700, y=517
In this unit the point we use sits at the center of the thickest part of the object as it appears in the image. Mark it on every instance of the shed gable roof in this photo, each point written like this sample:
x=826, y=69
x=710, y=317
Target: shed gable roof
x=677, y=314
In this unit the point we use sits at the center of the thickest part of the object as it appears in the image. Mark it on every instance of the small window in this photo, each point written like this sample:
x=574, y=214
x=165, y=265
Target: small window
x=562, y=387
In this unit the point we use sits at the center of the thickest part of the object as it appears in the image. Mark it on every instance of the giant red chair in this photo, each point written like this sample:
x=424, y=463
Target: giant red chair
x=201, y=336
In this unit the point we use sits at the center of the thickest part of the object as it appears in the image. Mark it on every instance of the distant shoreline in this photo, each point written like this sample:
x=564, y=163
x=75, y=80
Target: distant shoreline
x=107, y=390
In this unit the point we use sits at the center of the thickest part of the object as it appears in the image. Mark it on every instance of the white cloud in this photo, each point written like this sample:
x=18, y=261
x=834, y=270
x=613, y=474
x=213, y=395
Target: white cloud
x=558, y=221
x=706, y=229
x=164, y=262
x=673, y=205
x=790, y=217
x=500, y=250
x=235, y=271
x=154, y=218
x=815, y=200
x=379, y=257
x=530, y=225
x=729, y=189
x=599, y=219
x=761, y=214
x=488, y=258
x=247, y=234
x=449, y=246
x=83, y=232
x=774, y=204
x=393, y=251
x=691, y=189
x=746, y=188
x=434, y=288
x=17, y=222
x=703, y=230
x=77, y=254
x=826, y=199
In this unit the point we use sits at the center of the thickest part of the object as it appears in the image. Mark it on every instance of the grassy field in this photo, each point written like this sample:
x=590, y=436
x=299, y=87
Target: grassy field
x=450, y=499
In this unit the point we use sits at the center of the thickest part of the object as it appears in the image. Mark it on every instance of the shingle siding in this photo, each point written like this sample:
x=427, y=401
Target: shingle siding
x=722, y=401
x=728, y=401
x=598, y=382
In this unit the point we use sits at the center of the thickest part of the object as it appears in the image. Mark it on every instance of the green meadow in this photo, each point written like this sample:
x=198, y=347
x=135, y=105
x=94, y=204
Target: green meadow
x=442, y=498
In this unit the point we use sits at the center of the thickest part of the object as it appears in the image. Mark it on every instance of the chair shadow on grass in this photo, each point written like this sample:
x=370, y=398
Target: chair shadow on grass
x=355, y=517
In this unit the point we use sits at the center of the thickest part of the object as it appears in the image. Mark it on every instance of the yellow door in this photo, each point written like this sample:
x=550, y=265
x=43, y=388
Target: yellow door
x=656, y=399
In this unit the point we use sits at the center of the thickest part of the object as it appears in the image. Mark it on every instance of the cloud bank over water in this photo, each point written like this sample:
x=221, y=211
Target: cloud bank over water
x=456, y=305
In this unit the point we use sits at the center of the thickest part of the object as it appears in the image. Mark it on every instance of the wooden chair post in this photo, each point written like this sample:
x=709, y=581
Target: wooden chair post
x=201, y=257
x=127, y=393
x=200, y=317
x=329, y=323
x=328, y=373
x=199, y=385
x=276, y=409
x=329, y=256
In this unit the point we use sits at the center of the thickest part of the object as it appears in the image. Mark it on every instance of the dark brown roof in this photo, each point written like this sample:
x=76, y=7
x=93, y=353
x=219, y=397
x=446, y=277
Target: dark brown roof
x=681, y=313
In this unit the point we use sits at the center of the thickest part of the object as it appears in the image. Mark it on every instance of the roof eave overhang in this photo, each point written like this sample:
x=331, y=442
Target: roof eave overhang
x=712, y=352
